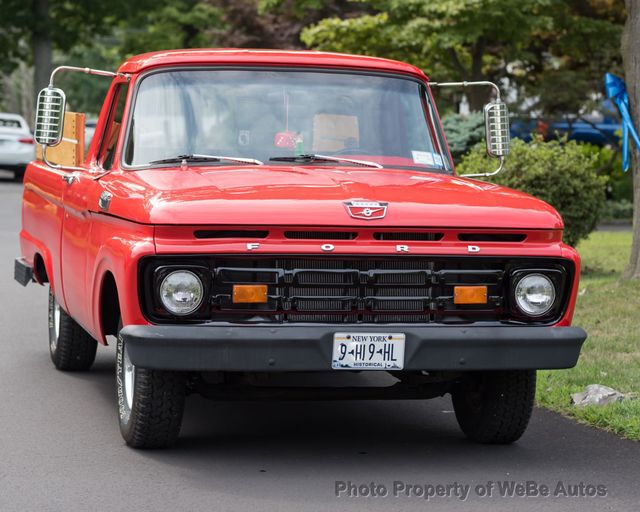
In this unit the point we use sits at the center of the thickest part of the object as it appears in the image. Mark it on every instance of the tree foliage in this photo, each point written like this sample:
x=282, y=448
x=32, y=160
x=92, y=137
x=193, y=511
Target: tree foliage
x=534, y=44
x=173, y=24
x=69, y=23
x=32, y=30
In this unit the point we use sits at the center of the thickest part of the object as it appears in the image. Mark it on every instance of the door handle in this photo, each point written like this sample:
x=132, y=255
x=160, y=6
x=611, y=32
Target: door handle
x=70, y=178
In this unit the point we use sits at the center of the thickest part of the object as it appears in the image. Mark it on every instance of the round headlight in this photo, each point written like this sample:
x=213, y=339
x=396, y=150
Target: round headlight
x=181, y=292
x=535, y=294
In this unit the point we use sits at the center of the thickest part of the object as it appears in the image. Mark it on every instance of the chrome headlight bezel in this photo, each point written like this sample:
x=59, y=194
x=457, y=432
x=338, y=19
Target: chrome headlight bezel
x=557, y=280
x=153, y=300
x=197, y=288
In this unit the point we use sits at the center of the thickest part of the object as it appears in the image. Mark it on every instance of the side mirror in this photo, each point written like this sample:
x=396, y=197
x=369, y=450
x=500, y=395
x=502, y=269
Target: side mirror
x=49, y=116
x=496, y=124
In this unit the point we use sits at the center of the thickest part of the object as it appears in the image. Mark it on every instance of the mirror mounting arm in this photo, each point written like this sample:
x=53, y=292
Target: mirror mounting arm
x=485, y=174
x=468, y=84
x=88, y=71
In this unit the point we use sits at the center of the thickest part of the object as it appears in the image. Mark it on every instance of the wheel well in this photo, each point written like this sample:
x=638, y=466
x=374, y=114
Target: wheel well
x=40, y=269
x=109, y=305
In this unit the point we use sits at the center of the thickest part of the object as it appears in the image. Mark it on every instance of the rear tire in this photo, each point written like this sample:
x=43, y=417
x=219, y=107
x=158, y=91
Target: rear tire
x=494, y=407
x=150, y=402
x=18, y=174
x=71, y=347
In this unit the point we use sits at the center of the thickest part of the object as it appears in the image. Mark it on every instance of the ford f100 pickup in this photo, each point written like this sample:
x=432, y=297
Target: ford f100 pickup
x=244, y=222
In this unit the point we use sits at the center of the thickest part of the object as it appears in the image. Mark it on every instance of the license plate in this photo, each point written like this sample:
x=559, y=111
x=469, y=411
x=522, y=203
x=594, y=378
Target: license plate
x=368, y=351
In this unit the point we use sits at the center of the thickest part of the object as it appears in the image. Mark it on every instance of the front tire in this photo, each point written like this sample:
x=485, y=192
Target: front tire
x=71, y=347
x=150, y=402
x=494, y=407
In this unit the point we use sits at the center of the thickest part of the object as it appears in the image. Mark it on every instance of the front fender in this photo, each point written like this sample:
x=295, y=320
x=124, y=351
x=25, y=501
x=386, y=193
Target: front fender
x=119, y=246
x=571, y=254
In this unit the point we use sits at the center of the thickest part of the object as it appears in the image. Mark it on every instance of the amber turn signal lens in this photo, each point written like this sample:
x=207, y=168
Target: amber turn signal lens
x=470, y=295
x=249, y=293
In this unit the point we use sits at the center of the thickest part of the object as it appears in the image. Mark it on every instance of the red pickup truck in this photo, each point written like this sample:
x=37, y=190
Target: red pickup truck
x=245, y=222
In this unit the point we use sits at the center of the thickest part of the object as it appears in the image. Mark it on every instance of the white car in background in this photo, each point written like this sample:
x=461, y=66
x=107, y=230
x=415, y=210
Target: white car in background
x=17, y=147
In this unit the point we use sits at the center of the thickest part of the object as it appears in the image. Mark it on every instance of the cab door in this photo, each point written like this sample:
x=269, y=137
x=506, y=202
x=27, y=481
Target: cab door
x=81, y=199
x=42, y=216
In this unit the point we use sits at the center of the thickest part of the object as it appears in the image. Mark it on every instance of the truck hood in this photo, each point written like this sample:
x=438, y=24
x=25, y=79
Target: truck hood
x=315, y=195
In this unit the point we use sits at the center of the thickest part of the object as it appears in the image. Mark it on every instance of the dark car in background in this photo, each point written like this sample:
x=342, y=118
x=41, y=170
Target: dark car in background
x=601, y=127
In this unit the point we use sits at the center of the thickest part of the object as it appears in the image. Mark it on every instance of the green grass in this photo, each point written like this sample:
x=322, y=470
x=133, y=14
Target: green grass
x=609, y=310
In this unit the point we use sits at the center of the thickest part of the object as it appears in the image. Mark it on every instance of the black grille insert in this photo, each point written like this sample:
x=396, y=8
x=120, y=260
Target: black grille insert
x=408, y=236
x=492, y=237
x=321, y=235
x=230, y=233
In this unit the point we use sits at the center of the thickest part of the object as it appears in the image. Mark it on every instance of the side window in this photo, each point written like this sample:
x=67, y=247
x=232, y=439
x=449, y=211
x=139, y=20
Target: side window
x=110, y=136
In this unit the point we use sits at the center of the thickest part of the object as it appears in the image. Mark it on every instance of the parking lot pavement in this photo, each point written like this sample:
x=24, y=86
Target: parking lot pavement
x=60, y=448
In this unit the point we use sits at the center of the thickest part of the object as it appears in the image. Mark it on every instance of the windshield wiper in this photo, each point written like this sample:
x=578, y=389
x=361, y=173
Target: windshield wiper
x=324, y=158
x=184, y=159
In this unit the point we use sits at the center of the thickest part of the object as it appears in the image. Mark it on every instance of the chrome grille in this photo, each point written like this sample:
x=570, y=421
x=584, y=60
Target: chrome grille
x=356, y=290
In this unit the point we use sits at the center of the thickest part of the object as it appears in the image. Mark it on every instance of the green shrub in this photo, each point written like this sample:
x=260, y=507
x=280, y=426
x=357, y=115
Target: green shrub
x=463, y=132
x=561, y=173
x=616, y=210
x=620, y=183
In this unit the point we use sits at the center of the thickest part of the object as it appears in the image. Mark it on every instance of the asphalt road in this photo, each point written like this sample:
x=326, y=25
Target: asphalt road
x=60, y=448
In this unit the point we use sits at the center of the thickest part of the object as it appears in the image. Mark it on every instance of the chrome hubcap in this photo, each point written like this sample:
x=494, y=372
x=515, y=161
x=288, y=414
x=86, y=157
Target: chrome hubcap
x=129, y=375
x=56, y=326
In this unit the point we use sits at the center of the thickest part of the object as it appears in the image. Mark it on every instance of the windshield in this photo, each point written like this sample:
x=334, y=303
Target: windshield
x=271, y=114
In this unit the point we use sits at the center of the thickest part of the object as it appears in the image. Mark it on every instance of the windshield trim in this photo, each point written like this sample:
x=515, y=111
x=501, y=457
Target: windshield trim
x=448, y=169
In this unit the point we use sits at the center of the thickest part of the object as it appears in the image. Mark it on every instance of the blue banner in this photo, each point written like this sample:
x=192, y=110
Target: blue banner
x=617, y=91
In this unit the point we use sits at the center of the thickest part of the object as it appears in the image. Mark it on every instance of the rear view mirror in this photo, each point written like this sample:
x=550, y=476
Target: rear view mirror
x=49, y=116
x=496, y=122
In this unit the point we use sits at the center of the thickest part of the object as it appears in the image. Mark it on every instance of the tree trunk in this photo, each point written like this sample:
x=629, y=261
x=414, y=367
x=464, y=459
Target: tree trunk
x=42, y=45
x=478, y=96
x=631, y=58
